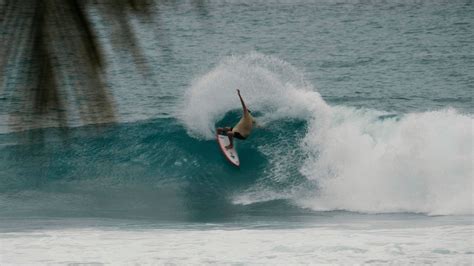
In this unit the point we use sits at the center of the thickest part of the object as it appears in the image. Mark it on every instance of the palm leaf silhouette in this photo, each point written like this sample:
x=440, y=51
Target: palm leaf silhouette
x=51, y=62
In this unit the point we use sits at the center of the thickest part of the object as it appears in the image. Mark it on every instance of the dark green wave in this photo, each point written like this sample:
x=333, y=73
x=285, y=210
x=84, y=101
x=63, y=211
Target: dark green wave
x=150, y=168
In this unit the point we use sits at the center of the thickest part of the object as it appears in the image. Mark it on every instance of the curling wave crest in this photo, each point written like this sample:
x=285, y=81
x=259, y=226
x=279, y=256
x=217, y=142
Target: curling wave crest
x=351, y=159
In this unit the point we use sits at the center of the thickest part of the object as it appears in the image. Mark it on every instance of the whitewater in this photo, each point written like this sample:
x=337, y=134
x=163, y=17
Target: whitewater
x=361, y=160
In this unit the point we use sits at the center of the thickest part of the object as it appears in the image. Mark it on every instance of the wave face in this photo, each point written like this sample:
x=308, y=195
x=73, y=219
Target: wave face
x=353, y=159
x=307, y=156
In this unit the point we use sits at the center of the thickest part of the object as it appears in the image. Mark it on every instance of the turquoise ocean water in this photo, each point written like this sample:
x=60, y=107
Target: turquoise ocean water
x=364, y=152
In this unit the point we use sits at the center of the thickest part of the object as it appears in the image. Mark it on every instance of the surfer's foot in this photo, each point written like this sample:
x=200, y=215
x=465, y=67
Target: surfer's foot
x=229, y=147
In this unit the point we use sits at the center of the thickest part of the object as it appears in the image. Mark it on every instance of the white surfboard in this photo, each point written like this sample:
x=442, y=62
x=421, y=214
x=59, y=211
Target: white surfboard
x=230, y=154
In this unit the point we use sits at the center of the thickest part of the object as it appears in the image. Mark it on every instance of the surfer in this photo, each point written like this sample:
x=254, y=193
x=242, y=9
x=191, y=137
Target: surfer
x=242, y=129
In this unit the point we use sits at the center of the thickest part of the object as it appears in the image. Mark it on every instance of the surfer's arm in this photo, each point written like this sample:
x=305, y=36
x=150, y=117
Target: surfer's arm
x=242, y=101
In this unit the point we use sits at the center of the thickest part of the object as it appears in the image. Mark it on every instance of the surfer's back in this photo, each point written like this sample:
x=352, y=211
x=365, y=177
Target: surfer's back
x=244, y=126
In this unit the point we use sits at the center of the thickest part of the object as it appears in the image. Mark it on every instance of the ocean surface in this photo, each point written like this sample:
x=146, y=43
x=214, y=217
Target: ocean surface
x=363, y=154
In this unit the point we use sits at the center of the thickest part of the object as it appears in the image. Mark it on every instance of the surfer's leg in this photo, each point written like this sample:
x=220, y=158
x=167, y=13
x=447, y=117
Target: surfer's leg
x=230, y=134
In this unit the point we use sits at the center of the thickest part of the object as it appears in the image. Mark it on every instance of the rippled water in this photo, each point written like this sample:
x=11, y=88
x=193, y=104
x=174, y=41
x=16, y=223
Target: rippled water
x=402, y=56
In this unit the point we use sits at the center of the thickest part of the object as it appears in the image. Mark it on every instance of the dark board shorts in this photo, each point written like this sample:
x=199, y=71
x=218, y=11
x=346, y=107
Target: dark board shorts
x=237, y=135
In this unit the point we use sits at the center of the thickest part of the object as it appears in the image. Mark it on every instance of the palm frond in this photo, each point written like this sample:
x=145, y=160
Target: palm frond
x=52, y=64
